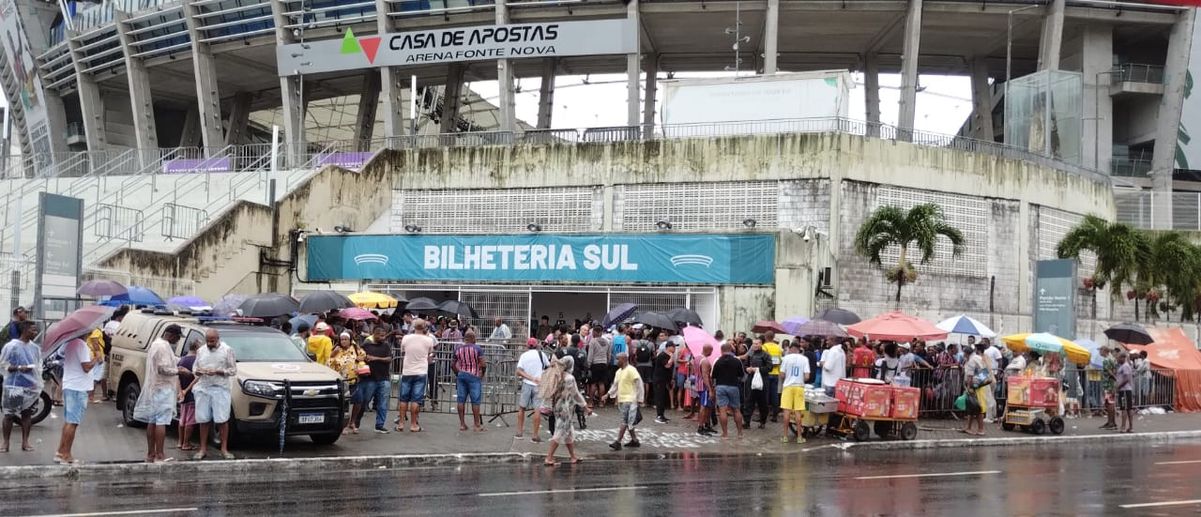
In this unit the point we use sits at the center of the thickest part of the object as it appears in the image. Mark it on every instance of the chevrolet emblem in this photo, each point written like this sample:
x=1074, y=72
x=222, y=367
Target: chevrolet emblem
x=311, y=393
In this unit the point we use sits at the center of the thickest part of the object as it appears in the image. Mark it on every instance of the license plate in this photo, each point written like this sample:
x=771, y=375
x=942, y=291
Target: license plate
x=313, y=418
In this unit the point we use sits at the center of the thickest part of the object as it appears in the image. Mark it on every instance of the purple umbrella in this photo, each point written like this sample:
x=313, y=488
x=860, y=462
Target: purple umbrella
x=820, y=328
x=100, y=288
x=191, y=302
x=791, y=324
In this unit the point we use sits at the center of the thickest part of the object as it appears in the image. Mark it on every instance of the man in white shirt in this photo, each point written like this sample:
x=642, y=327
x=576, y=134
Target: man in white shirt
x=501, y=332
x=215, y=365
x=418, y=349
x=794, y=371
x=834, y=367
x=77, y=383
x=529, y=369
x=993, y=353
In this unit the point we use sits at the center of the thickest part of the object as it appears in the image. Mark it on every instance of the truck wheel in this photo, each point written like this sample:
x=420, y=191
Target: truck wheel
x=41, y=408
x=325, y=439
x=129, y=399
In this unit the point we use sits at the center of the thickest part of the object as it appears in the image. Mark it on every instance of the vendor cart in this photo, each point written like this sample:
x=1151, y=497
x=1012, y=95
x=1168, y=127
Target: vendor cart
x=867, y=405
x=1033, y=405
x=818, y=408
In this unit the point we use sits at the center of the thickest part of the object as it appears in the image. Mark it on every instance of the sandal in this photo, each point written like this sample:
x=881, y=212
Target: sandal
x=400, y=429
x=536, y=439
x=27, y=449
x=577, y=461
x=188, y=447
x=550, y=464
x=415, y=429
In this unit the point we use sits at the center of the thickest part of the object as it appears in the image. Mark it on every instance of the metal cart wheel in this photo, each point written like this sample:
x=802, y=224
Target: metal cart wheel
x=883, y=428
x=908, y=431
x=861, y=431
x=1008, y=426
x=1057, y=424
x=1038, y=427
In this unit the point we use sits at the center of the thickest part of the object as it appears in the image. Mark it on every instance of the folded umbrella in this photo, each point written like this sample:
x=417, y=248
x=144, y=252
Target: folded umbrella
x=100, y=288
x=791, y=324
x=819, y=328
x=619, y=314
x=458, y=308
x=372, y=300
x=657, y=320
x=76, y=324
x=766, y=325
x=685, y=317
x=839, y=316
x=268, y=305
x=962, y=324
x=357, y=314
x=896, y=326
x=1129, y=333
x=421, y=304
x=324, y=301
x=228, y=304
x=135, y=295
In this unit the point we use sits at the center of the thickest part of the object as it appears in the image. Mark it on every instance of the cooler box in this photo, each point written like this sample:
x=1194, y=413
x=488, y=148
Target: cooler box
x=1019, y=390
x=905, y=402
x=868, y=398
x=1033, y=391
x=820, y=403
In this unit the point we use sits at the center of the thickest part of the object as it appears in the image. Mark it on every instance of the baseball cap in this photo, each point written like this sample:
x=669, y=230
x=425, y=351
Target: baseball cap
x=531, y=343
x=321, y=327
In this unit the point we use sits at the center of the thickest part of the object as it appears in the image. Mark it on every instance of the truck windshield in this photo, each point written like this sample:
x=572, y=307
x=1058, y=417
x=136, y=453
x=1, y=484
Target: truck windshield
x=255, y=347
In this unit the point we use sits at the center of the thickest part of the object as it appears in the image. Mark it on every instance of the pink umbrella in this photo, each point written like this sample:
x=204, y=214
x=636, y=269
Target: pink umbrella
x=355, y=313
x=896, y=326
x=695, y=338
x=77, y=324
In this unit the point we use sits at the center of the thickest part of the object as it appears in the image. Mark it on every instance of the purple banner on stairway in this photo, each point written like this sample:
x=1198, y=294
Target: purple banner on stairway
x=346, y=160
x=187, y=166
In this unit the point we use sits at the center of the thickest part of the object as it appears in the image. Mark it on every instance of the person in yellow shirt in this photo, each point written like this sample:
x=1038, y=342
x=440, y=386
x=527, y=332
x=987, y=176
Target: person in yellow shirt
x=771, y=381
x=95, y=342
x=630, y=392
x=320, y=346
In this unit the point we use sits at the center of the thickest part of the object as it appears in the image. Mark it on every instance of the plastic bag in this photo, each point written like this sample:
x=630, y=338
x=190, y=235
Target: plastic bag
x=757, y=381
x=961, y=402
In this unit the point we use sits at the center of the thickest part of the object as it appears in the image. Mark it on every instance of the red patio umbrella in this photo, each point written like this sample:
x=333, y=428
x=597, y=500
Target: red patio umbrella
x=896, y=326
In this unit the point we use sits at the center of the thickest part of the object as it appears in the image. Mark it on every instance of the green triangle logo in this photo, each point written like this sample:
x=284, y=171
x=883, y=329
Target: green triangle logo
x=350, y=45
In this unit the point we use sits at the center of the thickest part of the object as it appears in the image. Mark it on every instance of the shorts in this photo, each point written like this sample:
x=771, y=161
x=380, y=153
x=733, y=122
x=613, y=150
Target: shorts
x=468, y=387
x=1125, y=400
x=645, y=372
x=158, y=408
x=18, y=401
x=1109, y=397
x=99, y=372
x=704, y=398
x=600, y=372
x=529, y=396
x=793, y=398
x=75, y=405
x=628, y=413
x=212, y=405
x=681, y=380
x=412, y=389
x=729, y=397
x=187, y=414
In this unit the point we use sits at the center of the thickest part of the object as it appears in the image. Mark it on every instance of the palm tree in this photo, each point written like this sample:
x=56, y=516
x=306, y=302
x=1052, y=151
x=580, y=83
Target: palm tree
x=1121, y=251
x=920, y=227
x=1174, y=264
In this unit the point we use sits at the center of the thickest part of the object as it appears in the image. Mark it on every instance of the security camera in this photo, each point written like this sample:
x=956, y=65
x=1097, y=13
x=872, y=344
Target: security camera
x=301, y=236
x=805, y=236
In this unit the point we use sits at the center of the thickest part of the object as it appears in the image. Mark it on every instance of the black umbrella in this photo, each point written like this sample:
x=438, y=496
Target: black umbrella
x=324, y=301
x=618, y=314
x=268, y=305
x=457, y=308
x=1129, y=333
x=684, y=317
x=421, y=304
x=839, y=316
x=98, y=288
x=657, y=320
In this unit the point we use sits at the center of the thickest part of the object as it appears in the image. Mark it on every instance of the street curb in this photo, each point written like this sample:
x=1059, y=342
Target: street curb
x=1159, y=437
x=276, y=465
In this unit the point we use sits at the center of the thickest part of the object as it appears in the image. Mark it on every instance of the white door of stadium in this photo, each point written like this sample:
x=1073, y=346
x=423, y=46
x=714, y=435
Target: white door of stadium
x=521, y=306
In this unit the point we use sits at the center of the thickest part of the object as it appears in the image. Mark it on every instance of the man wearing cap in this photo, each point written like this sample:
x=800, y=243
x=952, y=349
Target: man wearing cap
x=14, y=326
x=664, y=367
x=320, y=345
x=156, y=403
x=529, y=369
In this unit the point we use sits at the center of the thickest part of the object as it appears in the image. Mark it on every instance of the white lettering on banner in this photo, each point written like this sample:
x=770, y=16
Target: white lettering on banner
x=525, y=257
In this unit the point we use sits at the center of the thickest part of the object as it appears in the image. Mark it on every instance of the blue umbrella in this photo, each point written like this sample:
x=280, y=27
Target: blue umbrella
x=135, y=295
x=308, y=319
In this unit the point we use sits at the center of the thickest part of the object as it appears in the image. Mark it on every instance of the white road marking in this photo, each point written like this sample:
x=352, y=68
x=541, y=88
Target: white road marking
x=570, y=491
x=128, y=512
x=1163, y=503
x=1185, y=462
x=938, y=474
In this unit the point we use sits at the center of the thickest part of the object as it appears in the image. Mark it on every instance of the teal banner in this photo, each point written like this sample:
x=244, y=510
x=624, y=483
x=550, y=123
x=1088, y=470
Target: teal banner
x=591, y=258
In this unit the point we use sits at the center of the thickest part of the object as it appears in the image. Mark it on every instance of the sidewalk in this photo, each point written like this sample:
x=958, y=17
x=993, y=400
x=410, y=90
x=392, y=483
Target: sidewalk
x=102, y=438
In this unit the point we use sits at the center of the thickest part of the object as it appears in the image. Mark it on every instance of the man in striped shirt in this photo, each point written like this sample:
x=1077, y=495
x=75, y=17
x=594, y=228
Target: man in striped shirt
x=469, y=372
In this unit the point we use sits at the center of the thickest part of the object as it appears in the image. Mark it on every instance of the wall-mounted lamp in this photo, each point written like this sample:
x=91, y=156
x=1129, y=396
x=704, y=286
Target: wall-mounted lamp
x=533, y=227
x=412, y=228
x=749, y=223
x=663, y=224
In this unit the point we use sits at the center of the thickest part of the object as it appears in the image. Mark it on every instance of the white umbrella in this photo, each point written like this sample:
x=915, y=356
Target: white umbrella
x=962, y=324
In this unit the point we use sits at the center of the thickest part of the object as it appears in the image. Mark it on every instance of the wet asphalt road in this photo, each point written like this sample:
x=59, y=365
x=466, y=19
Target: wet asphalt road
x=1046, y=480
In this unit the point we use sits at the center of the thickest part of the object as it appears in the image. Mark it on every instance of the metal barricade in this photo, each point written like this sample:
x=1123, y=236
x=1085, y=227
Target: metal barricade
x=940, y=387
x=1153, y=388
x=500, y=387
